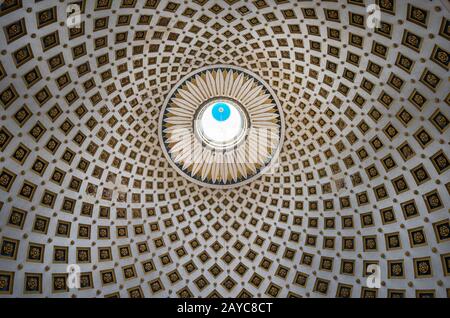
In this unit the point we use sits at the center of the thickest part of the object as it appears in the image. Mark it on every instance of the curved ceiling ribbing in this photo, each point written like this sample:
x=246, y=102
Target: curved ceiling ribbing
x=84, y=179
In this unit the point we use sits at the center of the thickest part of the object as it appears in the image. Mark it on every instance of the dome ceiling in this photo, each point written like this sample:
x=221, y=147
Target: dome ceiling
x=362, y=177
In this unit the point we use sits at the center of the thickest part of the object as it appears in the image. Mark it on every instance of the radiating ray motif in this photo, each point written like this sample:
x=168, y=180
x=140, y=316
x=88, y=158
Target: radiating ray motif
x=224, y=166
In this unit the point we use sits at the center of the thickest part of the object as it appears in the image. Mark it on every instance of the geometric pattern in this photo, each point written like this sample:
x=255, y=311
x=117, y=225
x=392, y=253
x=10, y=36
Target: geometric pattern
x=363, y=175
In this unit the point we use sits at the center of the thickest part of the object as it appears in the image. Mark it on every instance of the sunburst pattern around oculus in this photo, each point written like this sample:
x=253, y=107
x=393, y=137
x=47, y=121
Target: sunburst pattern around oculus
x=256, y=130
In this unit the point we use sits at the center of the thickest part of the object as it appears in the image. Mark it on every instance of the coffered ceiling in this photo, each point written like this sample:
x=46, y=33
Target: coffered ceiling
x=363, y=172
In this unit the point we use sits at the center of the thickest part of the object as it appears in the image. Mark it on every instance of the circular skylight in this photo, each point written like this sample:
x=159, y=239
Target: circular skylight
x=221, y=111
x=221, y=124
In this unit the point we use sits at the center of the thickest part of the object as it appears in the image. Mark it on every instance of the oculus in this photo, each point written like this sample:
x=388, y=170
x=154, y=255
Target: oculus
x=221, y=126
